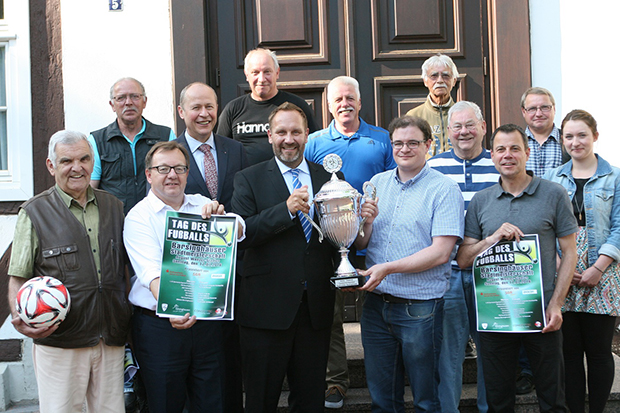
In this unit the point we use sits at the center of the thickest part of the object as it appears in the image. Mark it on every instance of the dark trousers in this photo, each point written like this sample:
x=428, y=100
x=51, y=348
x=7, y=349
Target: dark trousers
x=592, y=335
x=299, y=353
x=500, y=352
x=180, y=364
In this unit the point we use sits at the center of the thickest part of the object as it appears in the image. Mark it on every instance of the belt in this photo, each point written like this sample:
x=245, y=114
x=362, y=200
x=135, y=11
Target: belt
x=388, y=298
x=145, y=311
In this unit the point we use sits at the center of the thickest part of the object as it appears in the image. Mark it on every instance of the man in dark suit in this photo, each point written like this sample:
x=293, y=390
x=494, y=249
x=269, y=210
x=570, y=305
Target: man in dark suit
x=285, y=307
x=198, y=109
x=214, y=161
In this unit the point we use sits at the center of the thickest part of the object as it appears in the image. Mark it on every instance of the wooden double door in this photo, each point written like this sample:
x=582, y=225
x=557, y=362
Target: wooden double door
x=381, y=43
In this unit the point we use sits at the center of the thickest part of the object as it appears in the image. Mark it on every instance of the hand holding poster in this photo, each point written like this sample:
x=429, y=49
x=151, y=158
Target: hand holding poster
x=508, y=287
x=198, y=266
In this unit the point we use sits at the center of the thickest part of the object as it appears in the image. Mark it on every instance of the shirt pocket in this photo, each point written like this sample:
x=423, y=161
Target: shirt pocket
x=603, y=201
x=111, y=165
x=66, y=257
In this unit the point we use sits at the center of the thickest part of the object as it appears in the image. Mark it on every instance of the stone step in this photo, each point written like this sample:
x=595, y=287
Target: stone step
x=358, y=400
x=358, y=397
x=355, y=357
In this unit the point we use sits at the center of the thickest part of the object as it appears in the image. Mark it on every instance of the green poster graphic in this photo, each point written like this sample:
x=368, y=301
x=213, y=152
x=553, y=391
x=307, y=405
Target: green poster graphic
x=198, y=267
x=508, y=287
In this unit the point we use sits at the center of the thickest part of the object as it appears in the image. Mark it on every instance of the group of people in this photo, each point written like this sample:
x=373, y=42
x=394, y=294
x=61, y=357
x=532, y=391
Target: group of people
x=442, y=199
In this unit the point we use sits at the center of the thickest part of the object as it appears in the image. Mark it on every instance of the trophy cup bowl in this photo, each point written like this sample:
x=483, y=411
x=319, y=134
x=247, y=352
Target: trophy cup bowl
x=339, y=206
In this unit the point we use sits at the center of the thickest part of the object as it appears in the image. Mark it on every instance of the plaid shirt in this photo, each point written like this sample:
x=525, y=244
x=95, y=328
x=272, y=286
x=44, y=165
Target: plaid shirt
x=546, y=156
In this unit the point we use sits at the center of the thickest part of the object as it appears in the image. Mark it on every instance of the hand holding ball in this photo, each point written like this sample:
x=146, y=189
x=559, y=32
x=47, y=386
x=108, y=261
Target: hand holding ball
x=42, y=302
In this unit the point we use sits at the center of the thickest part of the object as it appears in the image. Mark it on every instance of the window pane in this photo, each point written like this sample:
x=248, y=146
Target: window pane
x=3, y=137
x=3, y=147
x=2, y=75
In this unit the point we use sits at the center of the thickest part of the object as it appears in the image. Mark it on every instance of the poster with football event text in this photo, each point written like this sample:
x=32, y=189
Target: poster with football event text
x=508, y=287
x=198, y=267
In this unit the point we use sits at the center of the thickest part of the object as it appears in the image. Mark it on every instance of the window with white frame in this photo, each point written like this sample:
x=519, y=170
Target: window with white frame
x=16, y=176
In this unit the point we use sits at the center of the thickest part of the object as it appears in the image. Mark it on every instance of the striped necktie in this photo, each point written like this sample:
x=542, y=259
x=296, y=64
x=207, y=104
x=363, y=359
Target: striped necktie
x=304, y=222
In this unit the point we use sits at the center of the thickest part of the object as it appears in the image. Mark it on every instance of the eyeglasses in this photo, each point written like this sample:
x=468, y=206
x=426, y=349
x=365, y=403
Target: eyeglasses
x=534, y=109
x=444, y=76
x=165, y=169
x=398, y=145
x=458, y=127
x=134, y=97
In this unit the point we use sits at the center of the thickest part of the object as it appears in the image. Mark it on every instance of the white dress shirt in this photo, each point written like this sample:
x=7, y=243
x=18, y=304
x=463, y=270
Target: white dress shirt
x=198, y=155
x=144, y=231
x=304, y=179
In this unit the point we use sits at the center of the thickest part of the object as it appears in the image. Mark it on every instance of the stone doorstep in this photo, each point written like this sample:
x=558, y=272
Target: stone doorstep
x=358, y=398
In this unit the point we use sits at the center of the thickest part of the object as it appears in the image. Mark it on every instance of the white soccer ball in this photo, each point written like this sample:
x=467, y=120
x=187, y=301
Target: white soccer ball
x=42, y=302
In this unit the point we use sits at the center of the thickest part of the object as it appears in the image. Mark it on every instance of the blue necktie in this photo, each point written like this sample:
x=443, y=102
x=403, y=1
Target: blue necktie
x=304, y=222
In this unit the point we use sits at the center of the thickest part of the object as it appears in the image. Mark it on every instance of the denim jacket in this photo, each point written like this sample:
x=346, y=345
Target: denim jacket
x=602, y=207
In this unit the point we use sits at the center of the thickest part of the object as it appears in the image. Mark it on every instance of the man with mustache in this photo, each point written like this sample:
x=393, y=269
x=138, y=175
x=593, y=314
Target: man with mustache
x=286, y=303
x=365, y=151
x=244, y=119
x=120, y=148
x=439, y=74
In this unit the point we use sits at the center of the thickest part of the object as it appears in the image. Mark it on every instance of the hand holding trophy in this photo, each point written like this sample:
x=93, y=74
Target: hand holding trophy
x=339, y=207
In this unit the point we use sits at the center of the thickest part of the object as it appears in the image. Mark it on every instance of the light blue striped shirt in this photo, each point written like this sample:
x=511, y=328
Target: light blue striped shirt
x=411, y=213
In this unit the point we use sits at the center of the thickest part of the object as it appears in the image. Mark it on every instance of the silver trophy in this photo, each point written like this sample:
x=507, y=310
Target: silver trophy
x=339, y=206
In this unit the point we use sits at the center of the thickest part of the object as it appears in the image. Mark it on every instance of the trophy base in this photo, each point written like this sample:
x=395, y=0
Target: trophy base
x=353, y=281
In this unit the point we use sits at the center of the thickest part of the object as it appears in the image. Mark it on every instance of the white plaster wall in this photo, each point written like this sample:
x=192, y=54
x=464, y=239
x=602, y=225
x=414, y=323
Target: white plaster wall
x=573, y=55
x=101, y=46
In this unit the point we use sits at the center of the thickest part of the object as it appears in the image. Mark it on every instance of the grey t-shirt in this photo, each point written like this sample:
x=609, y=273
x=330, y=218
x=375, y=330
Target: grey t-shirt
x=543, y=208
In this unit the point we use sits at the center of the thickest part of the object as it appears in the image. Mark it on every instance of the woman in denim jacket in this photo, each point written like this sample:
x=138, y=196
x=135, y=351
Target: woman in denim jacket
x=593, y=301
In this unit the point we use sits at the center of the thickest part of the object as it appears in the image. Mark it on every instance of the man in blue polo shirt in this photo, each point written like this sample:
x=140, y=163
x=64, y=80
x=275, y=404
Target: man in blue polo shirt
x=469, y=165
x=120, y=148
x=365, y=151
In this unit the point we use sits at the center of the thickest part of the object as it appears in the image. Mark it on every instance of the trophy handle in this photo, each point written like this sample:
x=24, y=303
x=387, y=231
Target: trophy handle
x=314, y=225
x=370, y=192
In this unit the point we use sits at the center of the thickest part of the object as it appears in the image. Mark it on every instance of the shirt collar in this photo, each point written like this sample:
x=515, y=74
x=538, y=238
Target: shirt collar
x=445, y=105
x=423, y=172
x=159, y=205
x=303, y=166
x=476, y=159
x=555, y=133
x=67, y=199
x=362, y=131
x=530, y=189
x=194, y=143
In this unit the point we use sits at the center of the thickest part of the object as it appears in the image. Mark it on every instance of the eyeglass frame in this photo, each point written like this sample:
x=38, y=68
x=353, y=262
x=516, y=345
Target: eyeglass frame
x=134, y=97
x=533, y=109
x=183, y=172
x=398, y=145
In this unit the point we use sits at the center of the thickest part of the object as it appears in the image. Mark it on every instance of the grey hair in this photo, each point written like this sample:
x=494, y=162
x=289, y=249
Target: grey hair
x=439, y=60
x=536, y=91
x=127, y=78
x=464, y=105
x=343, y=80
x=271, y=53
x=65, y=137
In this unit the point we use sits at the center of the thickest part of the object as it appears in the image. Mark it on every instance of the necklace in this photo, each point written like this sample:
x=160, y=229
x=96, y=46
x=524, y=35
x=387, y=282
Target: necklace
x=579, y=208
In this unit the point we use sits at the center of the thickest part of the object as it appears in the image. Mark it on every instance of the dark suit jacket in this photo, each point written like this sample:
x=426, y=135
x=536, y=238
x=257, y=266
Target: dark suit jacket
x=278, y=261
x=231, y=158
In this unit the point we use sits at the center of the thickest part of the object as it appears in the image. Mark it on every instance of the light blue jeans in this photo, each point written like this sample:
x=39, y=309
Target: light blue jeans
x=401, y=338
x=459, y=321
